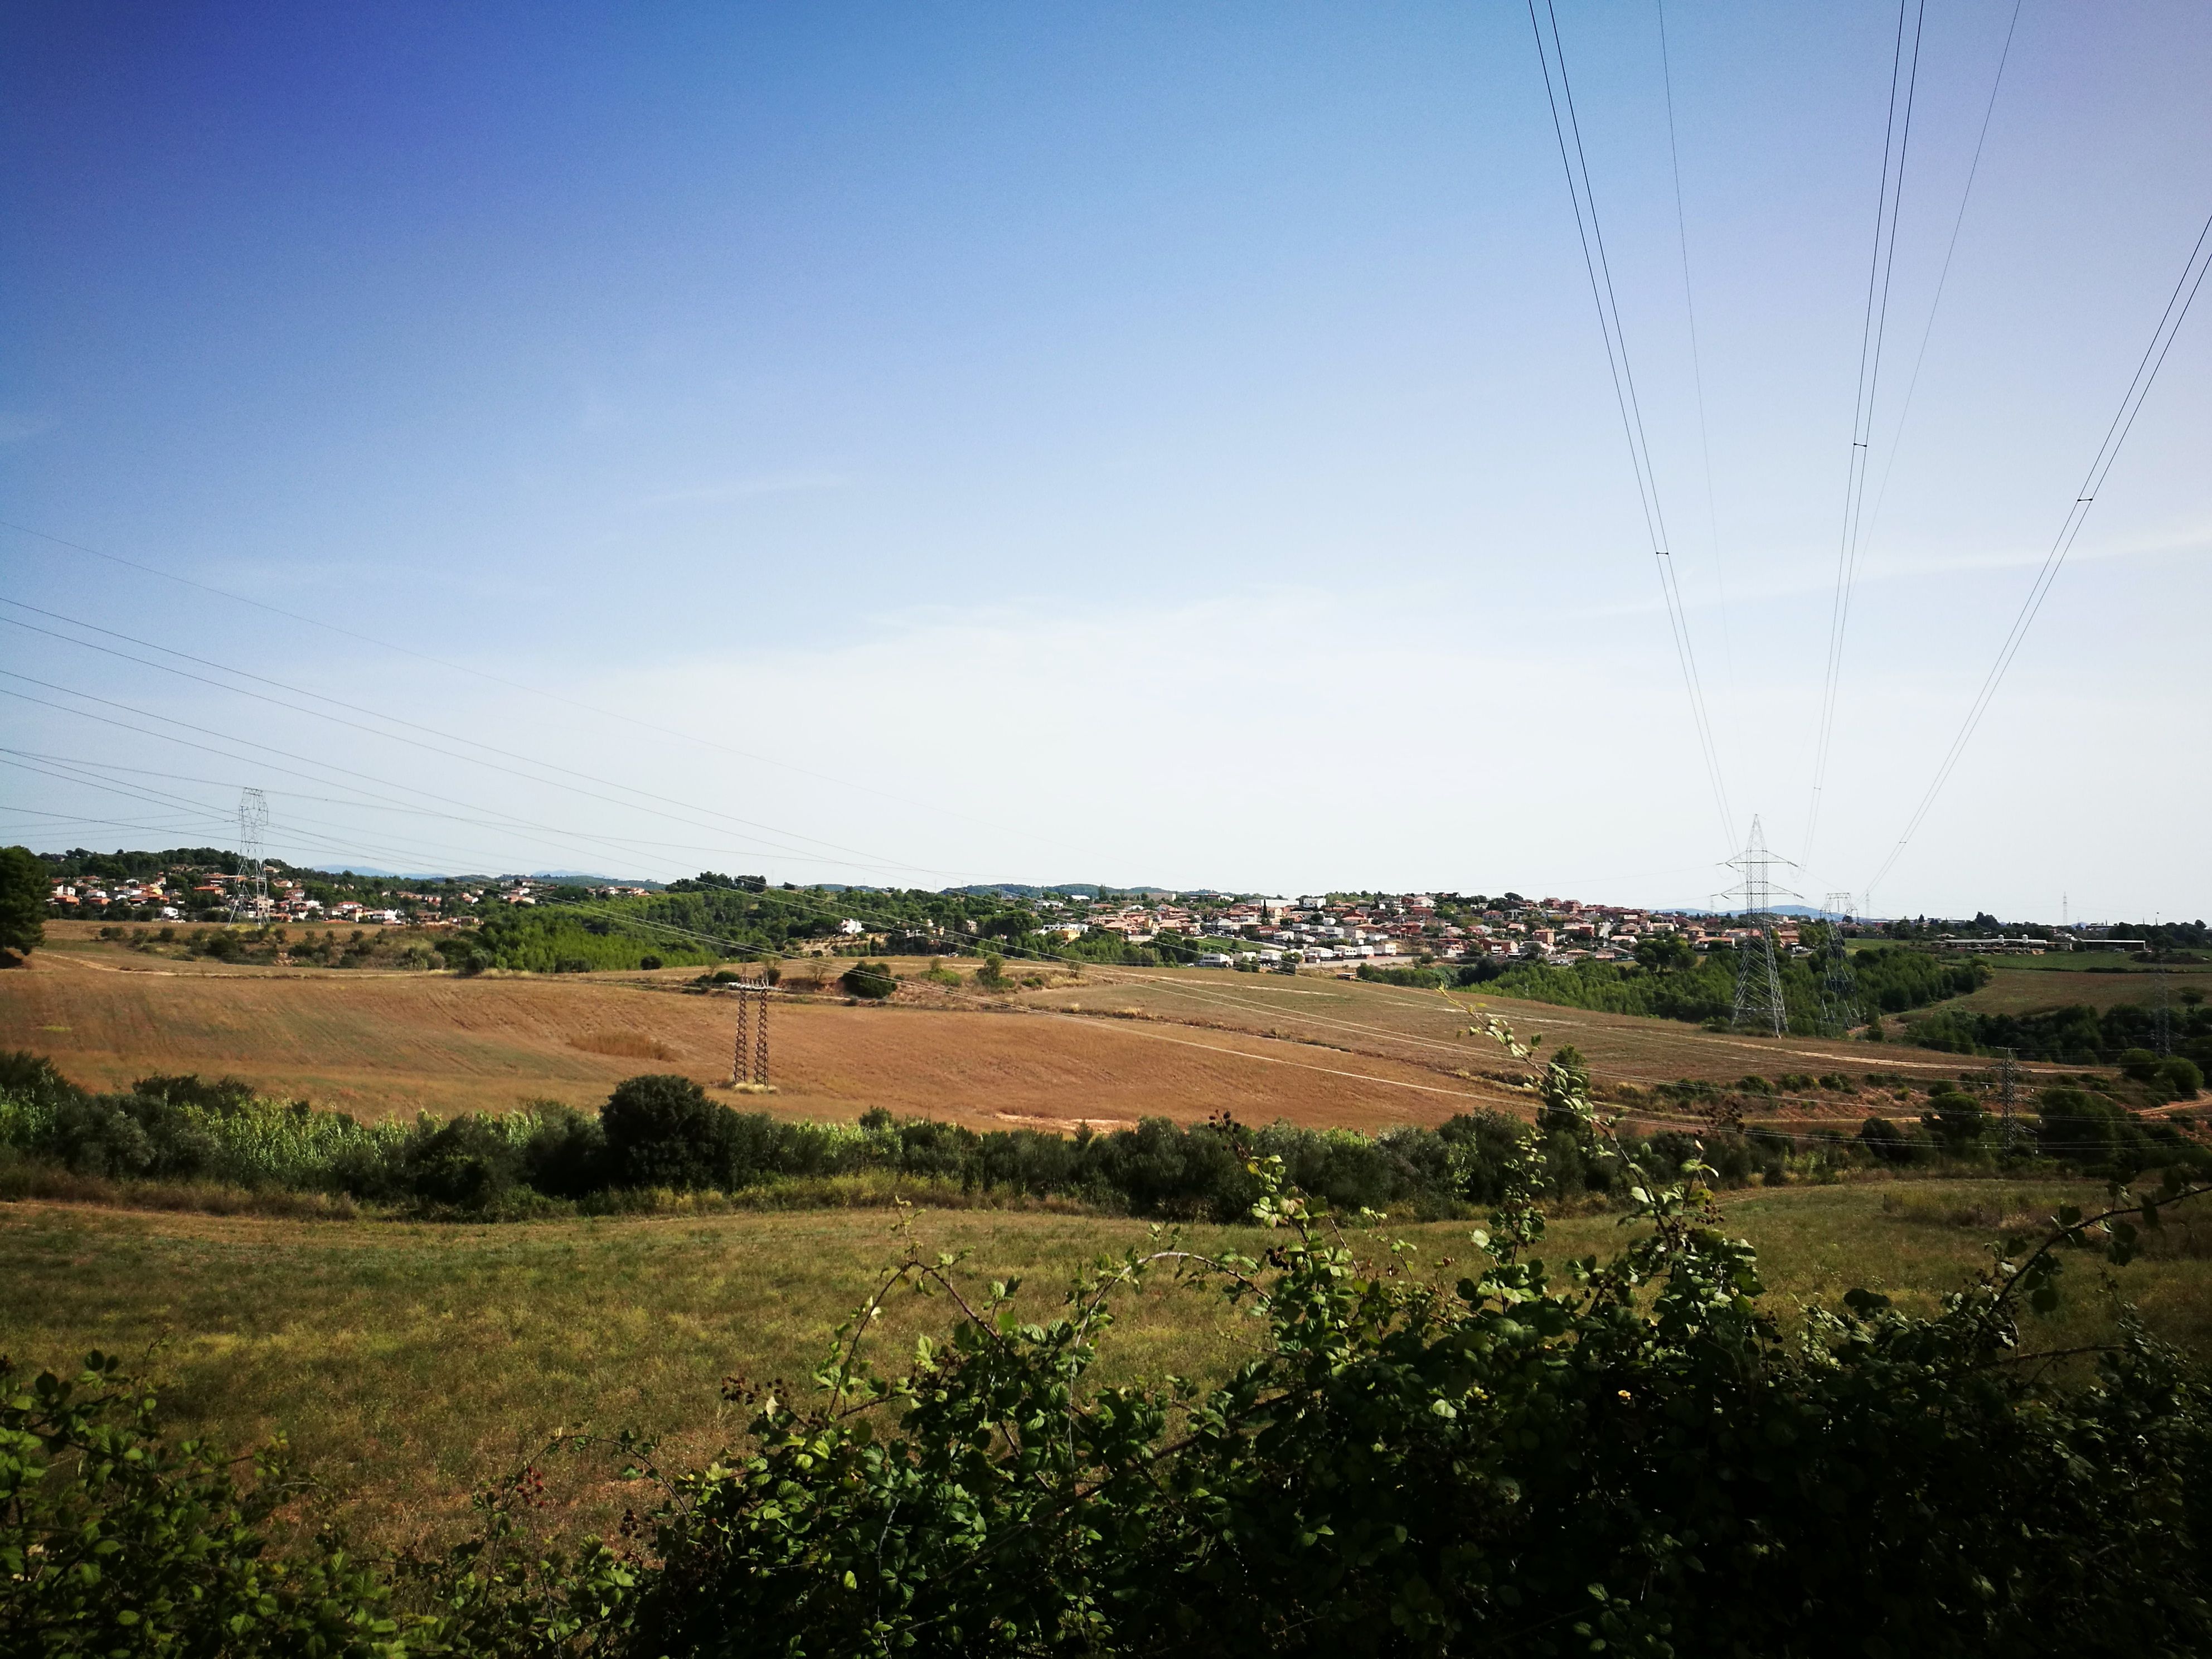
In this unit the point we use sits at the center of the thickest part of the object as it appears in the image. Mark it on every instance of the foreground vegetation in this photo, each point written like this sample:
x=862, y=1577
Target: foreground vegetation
x=1627, y=1452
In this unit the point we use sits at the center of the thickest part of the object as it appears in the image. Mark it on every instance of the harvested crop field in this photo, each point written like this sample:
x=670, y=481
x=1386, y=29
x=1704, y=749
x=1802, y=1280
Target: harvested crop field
x=1106, y=1048
x=1421, y=1026
x=378, y=1045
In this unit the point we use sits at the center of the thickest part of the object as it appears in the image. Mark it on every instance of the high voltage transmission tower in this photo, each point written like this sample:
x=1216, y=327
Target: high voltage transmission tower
x=2007, y=1087
x=749, y=1059
x=250, y=896
x=1759, y=1003
x=1839, y=991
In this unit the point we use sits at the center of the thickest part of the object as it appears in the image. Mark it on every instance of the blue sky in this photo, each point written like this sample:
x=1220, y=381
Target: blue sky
x=1138, y=443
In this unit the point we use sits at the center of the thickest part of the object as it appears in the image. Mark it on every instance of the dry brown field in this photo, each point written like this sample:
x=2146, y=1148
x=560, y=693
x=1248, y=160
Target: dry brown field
x=1107, y=1046
x=384, y=1044
x=1422, y=1026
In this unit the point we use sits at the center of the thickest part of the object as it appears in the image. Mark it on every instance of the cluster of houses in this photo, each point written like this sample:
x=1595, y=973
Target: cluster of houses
x=183, y=895
x=1263, y=932
x=70, y=897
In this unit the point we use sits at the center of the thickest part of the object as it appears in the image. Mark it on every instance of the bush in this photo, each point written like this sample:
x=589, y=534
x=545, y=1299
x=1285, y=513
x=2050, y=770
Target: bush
x=2181, y=1076
x=2140, y=1064
x=566, y=1154
x=870, y=980
x=1888, y=1143
x=469, y=1163
x=662, y=1131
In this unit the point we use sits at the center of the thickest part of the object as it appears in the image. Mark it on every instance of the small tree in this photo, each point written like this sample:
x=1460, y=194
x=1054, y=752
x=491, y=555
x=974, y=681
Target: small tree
x=22, y=901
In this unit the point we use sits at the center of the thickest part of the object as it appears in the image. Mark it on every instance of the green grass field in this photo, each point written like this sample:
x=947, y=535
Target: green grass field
x=2033, y=984
x=408, y=1364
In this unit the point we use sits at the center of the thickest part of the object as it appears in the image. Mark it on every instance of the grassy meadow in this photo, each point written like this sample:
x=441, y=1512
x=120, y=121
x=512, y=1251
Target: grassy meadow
x=408, y=1364
x=2027, y=986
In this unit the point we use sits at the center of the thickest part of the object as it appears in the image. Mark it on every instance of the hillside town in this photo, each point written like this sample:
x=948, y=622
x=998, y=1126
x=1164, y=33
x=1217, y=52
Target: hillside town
x=1264, y=932
x=1206, y=928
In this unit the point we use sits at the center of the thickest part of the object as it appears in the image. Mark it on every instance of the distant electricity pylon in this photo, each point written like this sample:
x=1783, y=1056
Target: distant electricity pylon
x=1839, y=991
x=251, y=896
x=1759, y=1004
x=749, y=1061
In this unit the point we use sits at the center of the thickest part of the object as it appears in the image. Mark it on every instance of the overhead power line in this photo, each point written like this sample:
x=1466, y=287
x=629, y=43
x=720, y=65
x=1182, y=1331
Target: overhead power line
x=1594, y=262
x=1697, y=367
x=2131, y=402
x=1905, y=76
x=902, y=798
x=490, y=817
x=874, y=861
x=1942, y=279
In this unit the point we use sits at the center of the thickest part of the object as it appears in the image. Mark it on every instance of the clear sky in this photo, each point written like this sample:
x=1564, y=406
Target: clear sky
x=1140, y=443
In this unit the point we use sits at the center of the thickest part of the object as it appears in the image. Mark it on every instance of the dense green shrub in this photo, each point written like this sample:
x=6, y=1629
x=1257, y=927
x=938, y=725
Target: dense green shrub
x=870, y=980
x=1889, y=1143
x=566, y=1156
x=662, y=1131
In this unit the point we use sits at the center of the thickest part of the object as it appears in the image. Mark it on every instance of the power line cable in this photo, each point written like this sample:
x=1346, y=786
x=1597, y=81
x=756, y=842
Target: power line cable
x=1943, y=277
x=226, y=819
x=357, y=802
x=1600, y=272
x=904, y=800
x=1697, y=367
x=568, y=840
x=1881, y=265
x=2131, y=402
x=877, y=862
x=1113, y=973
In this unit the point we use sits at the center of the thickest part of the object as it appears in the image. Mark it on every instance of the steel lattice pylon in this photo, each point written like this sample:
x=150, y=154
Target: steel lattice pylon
x=250, y=899
x=1839, y=991
x=749, y=1057
x=1758, y=1002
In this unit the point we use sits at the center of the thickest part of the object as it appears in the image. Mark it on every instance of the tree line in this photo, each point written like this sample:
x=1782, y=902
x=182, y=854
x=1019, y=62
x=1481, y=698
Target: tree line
x=1679, y=983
